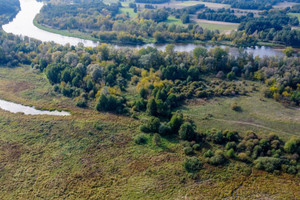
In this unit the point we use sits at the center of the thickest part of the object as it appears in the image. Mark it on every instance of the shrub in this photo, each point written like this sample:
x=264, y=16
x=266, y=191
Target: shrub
x=140, y=139
x=243, y=157
x=110, y=103
x=188, y=150
x=97, y=126
x=257, y=150
x=236, y=107
x=192, y=164
x=232, y=136
x=218, y=137
x=217, y=159
x=293, y=145
x=144, y=128
x=81, y=104
x=264, y=144
x=156, y=139
x=208, y=154
x=175, y=122
x=268, y=164
x=186, y=132
x=230, y=145
x=230, y=153
x=153, y=124
x=197, y=147
x=151, y=107
x=290, y=169
x=231, y=75
x=164, y=129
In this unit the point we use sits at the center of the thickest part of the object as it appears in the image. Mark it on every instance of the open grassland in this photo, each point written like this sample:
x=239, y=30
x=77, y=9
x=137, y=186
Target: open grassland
x=284, y=4
x=129, y=11
x=295, y=15
x=257, y=113
x=183, y=4
x=91, y=155
x=215, y=25
x=173, y=20
x=207, y=4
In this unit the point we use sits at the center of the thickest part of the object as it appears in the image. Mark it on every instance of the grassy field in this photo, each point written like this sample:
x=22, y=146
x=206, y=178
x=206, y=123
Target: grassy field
x=91, y=155
x=295, y=15
x=215, y=25
x=207, y=4
x=220, y=27
x=129, y=11
x=284, y=4
x=173, y=20
x=258, y=113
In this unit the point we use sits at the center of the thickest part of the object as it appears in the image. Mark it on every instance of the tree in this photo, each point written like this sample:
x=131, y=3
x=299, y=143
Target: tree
x=153, y=124
x=170, y=49
x=151, y=107
x=52, y=73
x=66, y=76
x=185, y=18
x=289, y=51
x=292, y=145
x=71, y=58
x=159, y=37
x=186, y=132
x=175, y=122
x=102, y=103
x=194, y=72
x=199, y=52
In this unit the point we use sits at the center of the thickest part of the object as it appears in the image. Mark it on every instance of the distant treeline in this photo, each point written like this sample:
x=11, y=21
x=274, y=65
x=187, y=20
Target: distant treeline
x=251, y=4
x=152, y=1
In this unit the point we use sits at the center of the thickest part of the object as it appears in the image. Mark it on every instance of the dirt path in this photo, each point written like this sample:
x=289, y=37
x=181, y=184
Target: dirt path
x=250, y=124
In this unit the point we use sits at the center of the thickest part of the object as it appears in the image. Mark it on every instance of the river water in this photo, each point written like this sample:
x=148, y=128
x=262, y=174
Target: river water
x=27, y=110
x=23, y=25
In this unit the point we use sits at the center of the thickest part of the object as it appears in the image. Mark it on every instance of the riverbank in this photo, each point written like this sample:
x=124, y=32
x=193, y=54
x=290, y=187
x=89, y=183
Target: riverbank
x=64, y=33
x=147, y=40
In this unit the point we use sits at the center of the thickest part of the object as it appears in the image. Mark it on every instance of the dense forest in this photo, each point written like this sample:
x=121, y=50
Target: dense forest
x=8, y=10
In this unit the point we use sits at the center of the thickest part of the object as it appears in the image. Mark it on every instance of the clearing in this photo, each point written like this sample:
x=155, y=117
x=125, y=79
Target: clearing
x=215, y=25
x=284, y=4
x=257, y=113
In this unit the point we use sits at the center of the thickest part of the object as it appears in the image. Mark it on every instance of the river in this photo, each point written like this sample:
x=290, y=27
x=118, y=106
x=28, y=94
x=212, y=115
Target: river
x=27, y=110
x=23, y=25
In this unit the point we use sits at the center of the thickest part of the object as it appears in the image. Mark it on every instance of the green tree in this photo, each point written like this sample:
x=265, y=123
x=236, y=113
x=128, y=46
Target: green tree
x=185, y=18
x=289, y=51
x=151, y=107
x=175, y=122
x=192, y=164
x=292, y=145
x=52, y=73
x=199, y=52
x=186, y=132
